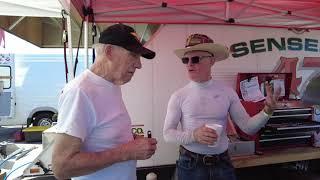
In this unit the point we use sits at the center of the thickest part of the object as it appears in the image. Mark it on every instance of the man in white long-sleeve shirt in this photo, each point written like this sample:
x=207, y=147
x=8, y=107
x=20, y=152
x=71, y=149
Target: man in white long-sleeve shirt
x=206, y=101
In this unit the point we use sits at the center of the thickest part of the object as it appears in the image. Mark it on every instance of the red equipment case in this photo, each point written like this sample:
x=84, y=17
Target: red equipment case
x=290, y=125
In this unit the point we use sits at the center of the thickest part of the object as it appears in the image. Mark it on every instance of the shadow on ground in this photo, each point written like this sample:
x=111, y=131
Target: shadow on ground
x=7, y=133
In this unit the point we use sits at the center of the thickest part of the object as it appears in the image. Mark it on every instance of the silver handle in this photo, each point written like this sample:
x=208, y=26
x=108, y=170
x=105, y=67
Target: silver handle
x=298, y=127
x=291, y=115
x=286, y=138
x=288, y=110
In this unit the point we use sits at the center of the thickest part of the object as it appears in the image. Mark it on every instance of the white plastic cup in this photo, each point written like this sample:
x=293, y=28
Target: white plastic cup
x=218, y=128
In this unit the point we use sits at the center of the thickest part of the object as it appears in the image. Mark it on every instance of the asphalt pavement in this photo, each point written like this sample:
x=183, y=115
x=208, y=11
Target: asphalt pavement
x=7, y=133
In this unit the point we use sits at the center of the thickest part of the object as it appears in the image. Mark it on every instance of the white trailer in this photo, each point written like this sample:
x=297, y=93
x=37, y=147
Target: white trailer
x=31, y=85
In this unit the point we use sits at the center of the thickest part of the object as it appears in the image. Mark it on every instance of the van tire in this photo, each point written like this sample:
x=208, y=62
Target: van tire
x=42, y=119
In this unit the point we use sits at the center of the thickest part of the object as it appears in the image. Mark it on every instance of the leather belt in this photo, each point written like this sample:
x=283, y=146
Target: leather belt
x=207, y=159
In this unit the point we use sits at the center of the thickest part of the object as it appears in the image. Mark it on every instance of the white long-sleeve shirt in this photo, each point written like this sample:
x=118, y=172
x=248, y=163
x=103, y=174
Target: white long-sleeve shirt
x=197, y=104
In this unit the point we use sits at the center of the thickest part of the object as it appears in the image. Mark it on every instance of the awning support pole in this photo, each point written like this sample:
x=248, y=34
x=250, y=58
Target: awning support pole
x=16, y=23
x=86, y=38
x=70, y=62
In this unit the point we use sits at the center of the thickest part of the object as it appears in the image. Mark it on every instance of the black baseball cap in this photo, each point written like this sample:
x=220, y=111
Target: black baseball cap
x=126, y=37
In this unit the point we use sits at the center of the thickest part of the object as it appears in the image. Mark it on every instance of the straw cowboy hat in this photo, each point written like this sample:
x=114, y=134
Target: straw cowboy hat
x=200, y=42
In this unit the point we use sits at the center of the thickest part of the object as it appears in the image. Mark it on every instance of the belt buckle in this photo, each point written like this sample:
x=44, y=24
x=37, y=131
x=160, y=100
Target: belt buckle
x=208, y=160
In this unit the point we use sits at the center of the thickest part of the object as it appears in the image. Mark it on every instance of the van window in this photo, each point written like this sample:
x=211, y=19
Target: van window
x=5, y=76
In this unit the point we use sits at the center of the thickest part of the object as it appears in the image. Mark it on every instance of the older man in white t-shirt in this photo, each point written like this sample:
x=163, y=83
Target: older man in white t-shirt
x=94, y=138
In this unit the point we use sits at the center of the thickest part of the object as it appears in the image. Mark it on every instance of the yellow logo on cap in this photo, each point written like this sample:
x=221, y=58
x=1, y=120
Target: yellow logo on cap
x=135, y=35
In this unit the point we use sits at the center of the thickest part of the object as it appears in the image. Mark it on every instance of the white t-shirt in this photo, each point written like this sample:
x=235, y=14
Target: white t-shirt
x=92, y=109
x=197, y=104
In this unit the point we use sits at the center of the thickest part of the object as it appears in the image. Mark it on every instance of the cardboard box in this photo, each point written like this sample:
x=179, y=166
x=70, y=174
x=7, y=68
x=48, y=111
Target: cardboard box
x=241, y=148
x=34, y=134
x=48, y=136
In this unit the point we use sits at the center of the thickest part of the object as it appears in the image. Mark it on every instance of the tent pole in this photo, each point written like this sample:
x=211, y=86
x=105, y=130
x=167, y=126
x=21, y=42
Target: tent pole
x=209, y=15
x=144, y=33
x=258, y=17
x=227, y=10
x=239, y=13
x=86, y=34
x=71, y=64
x=16, y=23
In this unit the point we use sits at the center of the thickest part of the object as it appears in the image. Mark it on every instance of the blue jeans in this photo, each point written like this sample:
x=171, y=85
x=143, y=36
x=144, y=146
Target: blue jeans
x=197, y=167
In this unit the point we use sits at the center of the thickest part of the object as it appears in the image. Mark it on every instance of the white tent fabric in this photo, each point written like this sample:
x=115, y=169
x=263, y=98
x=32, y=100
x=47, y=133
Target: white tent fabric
x=37, y=8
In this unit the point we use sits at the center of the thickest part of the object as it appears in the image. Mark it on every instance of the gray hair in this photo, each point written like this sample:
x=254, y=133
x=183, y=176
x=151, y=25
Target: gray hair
x=99, y=49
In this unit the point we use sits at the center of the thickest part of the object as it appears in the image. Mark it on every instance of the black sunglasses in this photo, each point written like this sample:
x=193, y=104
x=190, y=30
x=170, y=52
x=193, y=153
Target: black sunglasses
x=194, y=59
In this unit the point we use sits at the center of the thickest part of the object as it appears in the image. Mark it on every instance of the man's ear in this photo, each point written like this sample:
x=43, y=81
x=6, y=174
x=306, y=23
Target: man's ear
x=109, y=52
x=212, y=61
